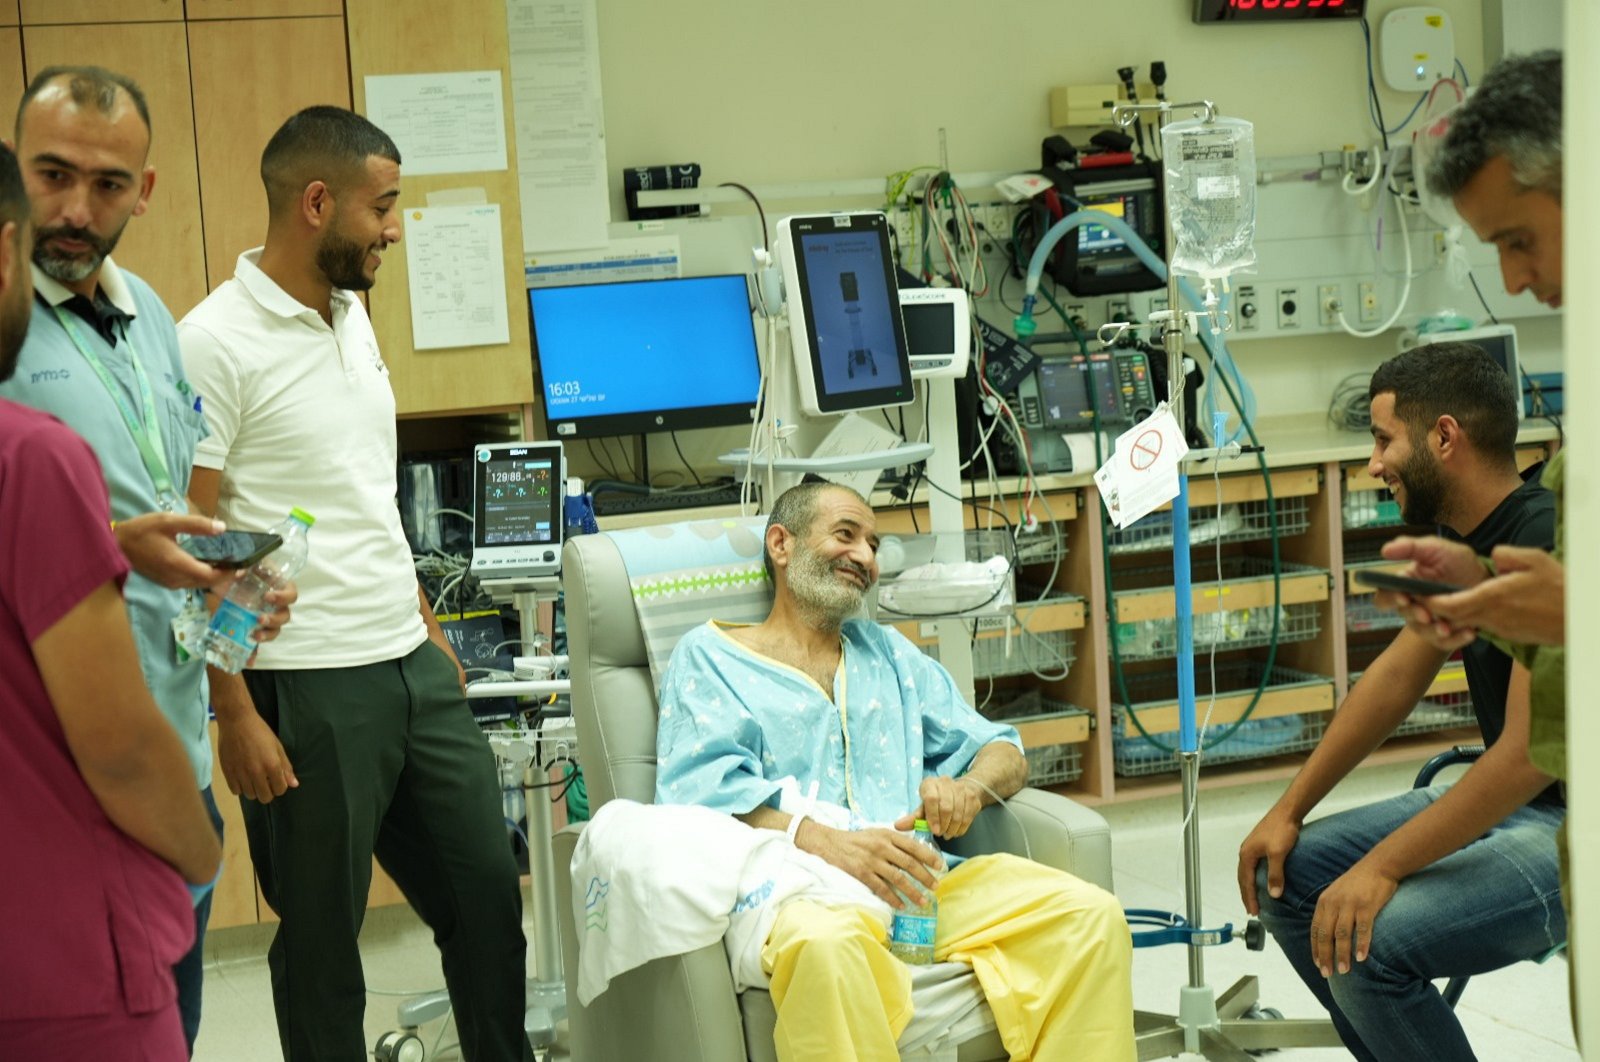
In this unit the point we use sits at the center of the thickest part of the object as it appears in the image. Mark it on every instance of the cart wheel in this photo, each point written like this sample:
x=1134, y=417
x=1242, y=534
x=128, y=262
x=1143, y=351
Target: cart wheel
x=399, y=1045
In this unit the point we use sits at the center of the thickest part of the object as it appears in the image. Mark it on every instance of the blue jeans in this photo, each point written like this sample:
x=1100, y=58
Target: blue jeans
x=1492, y=903
x=190, y=969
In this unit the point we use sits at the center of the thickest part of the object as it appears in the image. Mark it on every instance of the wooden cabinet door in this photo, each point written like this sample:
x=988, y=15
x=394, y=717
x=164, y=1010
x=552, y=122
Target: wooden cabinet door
x=65, y=12
x=234, y=901
x=288, y=64
x=164, y=246
x=11, y=80
x=10, y=15
x=213, y=9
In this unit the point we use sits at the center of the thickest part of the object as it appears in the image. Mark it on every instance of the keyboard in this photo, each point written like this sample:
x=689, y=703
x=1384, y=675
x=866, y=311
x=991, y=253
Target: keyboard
x=616, y=503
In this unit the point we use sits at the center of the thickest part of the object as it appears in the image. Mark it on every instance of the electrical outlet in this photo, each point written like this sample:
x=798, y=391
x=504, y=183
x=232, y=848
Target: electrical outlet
x=904, y=222
x=1371, y=312
x=1289, y=308
x=1330, y=300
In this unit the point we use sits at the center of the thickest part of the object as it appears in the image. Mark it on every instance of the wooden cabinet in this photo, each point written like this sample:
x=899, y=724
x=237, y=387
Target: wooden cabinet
x=10, y=15
x=198, y=10
x=79, y=12
x=163, y=245
x=12, y=81
x=1119, y=612
x=233, y=123
x=383, y=40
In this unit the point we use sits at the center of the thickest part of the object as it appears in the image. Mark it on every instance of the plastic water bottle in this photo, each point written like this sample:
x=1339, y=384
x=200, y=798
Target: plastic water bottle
x=912, y=931
x=578, y=511
x=230, y=641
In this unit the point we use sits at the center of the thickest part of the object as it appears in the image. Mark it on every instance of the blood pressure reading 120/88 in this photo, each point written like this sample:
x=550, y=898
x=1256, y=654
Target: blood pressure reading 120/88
x=517, y=505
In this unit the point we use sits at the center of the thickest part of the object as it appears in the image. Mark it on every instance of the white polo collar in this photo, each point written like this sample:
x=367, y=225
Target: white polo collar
x=111, y=282
x=269, y=295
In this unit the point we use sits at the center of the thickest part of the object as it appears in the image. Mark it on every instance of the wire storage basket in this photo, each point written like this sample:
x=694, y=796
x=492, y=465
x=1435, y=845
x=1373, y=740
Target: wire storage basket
x=1004, y=646
x=1133, y=755
x=1244, y=521
x=1449, y=710
x=1370, y=508
x=946, y=574
x=1361, y=613
x=1053, y=764
x=1243, y=628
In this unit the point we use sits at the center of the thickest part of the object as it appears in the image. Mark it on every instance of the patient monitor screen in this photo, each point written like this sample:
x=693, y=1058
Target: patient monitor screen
x=517, y=500
x=1064, y=393
x=858, y=356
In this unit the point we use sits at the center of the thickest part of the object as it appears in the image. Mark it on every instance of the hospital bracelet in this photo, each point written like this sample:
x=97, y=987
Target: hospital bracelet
x=794, y=826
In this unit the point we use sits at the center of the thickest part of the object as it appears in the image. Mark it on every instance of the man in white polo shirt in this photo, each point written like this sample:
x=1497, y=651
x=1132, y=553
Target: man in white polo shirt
x=351, y=736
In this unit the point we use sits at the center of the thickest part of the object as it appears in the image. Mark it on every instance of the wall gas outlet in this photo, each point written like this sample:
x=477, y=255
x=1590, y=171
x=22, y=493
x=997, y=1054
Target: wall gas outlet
x=1119, y=310
x=1330, y=299
x=1248, y=312
x=1289, y=308
x=1371, y=311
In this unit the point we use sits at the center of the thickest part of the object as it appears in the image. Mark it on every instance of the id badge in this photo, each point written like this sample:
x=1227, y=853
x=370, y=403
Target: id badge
x=189, y=631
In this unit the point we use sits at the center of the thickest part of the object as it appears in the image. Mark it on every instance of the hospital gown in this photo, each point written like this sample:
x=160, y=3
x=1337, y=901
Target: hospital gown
x=734, y=722
x=1052, y=953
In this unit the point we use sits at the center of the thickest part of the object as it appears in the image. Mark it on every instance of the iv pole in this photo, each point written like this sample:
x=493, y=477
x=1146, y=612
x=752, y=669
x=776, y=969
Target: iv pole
x=1226, y=1029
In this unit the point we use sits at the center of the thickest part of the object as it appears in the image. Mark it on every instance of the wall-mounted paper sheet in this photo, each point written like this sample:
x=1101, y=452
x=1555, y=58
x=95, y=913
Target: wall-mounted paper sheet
x=442, y=123
x=456, y=264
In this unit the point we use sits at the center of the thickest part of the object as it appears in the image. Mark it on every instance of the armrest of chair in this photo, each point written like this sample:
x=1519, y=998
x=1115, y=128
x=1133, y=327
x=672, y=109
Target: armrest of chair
x=677, y=1009
x=1059, y=833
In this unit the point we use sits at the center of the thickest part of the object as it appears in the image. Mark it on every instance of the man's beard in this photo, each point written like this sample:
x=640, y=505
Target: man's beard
x=1423, y=480
x=342, y=260
x=825, y=600
x=67, y=268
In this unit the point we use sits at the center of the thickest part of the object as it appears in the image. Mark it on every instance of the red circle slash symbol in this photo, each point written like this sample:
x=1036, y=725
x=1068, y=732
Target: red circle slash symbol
x=1145, y=451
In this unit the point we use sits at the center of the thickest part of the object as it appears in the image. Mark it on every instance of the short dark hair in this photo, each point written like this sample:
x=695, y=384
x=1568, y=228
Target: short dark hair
x=1458, y=379
x=87, y=85
x=13, y=196
x=320, y=143
x=795, y=511
x=1516, y=112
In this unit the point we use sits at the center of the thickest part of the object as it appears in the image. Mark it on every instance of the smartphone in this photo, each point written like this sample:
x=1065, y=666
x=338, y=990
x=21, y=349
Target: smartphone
x=1383, y=580
x=231, y=549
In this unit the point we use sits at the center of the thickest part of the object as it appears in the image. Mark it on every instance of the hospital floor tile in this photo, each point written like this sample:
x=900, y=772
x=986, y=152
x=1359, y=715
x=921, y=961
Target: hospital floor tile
x=1515, y=1015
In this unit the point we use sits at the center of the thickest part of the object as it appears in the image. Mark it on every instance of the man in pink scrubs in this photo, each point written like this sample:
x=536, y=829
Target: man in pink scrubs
x=99, y=817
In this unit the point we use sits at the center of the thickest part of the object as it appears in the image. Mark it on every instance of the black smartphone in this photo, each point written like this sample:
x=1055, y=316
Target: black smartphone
x=1383, y=580
x=231, y=549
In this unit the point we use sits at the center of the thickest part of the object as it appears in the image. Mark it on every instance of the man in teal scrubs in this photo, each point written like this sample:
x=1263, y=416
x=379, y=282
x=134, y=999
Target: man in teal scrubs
x=102, y=356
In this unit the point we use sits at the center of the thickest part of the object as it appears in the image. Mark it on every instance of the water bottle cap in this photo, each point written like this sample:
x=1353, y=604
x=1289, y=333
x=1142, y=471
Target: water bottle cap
x=303, y=516
x=920, y=824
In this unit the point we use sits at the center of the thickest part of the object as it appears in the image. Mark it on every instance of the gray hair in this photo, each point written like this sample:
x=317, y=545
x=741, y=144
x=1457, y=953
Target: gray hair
x=1516, y=112
x=796, y=510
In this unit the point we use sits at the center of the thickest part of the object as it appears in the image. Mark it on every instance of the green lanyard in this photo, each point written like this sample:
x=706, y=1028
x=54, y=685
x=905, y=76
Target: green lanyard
x=146, y=431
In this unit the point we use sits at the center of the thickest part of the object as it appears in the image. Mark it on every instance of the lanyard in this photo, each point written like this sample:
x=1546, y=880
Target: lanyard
x=146, y=431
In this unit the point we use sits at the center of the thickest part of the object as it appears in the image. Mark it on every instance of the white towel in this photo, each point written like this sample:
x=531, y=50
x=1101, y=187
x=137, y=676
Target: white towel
x=651, y=880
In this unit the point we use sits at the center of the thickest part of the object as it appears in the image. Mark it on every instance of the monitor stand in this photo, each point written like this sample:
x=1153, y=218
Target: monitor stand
x=547, y=993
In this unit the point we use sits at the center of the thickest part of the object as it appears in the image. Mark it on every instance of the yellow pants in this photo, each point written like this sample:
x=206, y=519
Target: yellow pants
x=1052, y=954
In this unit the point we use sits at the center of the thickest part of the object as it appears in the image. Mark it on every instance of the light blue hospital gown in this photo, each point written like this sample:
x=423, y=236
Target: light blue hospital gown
x=734, y=722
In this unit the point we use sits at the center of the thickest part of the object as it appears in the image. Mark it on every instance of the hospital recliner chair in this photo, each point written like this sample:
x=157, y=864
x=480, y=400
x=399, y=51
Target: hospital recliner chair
x=684, y=1008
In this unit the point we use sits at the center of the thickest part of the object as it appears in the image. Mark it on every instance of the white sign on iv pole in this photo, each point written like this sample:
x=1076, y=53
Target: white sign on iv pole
x=1142, y=472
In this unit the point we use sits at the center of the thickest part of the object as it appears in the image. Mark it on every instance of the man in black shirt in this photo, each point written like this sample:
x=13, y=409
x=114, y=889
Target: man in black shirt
x=1371, y=904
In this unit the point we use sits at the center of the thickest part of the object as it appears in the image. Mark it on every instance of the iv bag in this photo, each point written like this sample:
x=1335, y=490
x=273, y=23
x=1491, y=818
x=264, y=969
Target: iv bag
x=1211, y=195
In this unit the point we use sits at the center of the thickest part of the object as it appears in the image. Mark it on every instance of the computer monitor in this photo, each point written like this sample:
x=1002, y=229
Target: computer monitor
x=845, y=329
x=1499, y=341
x=1099, y=262
x=645, y=355
x=517, y=489
x=938, y=324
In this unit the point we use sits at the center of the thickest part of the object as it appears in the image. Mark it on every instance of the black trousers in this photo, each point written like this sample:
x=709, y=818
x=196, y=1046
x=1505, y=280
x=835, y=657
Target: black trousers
x=390, y=763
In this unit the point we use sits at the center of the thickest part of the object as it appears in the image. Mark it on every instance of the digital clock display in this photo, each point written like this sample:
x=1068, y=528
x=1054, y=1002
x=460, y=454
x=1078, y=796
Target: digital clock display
x=1208, y=12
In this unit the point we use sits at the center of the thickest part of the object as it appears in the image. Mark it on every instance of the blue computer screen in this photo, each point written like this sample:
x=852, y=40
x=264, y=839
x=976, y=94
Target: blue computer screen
x=649, y=355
